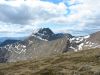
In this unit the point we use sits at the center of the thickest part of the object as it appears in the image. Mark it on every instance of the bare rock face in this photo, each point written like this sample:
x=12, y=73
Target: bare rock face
x=95, y=37
x=45, y=33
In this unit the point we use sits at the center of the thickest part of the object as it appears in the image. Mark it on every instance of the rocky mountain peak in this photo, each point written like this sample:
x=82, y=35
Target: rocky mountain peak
x=45, y=31
x=44, y=34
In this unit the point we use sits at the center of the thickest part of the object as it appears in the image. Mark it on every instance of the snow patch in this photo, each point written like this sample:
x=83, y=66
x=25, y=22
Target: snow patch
x=40, y=38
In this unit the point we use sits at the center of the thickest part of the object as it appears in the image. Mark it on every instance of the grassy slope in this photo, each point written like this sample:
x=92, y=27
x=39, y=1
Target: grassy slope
x=74, y=63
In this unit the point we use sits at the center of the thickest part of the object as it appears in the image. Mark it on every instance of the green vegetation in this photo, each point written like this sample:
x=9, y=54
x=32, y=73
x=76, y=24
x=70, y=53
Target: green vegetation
x=85, y=62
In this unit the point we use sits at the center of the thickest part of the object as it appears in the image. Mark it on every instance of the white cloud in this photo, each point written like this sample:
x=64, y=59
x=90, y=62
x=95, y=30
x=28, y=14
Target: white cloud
x=79, y=13
x=15, y=28
x=29, y=11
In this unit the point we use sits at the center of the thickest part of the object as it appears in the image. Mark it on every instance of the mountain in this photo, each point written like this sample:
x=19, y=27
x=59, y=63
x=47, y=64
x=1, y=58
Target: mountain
x=44, y=43
x=2, y=39
x=9, y=41
x=47, y=35
x=86, y=62
x=85, y=42
x=44, y=33
x=95, y=37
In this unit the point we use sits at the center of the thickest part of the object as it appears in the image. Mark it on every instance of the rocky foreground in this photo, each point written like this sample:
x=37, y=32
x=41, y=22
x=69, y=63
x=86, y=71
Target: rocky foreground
x=86, y=62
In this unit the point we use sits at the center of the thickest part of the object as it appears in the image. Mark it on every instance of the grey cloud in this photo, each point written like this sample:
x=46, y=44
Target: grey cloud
x=23, y=14
x=93, y=23
x=16, y=15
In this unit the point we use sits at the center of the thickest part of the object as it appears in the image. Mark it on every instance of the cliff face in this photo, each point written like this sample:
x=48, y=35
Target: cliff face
x=95, y=37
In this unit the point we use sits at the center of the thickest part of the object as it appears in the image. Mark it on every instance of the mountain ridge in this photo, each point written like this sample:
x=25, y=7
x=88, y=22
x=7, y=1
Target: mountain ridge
x=44, y=43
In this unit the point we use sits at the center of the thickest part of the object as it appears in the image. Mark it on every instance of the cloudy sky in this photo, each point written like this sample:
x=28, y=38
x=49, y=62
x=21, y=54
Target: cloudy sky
x=21, y=17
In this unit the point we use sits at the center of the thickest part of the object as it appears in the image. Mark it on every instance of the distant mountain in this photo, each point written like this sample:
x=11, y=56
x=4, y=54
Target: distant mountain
x=2, y=39
x=7, y=42
x=44, y=43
